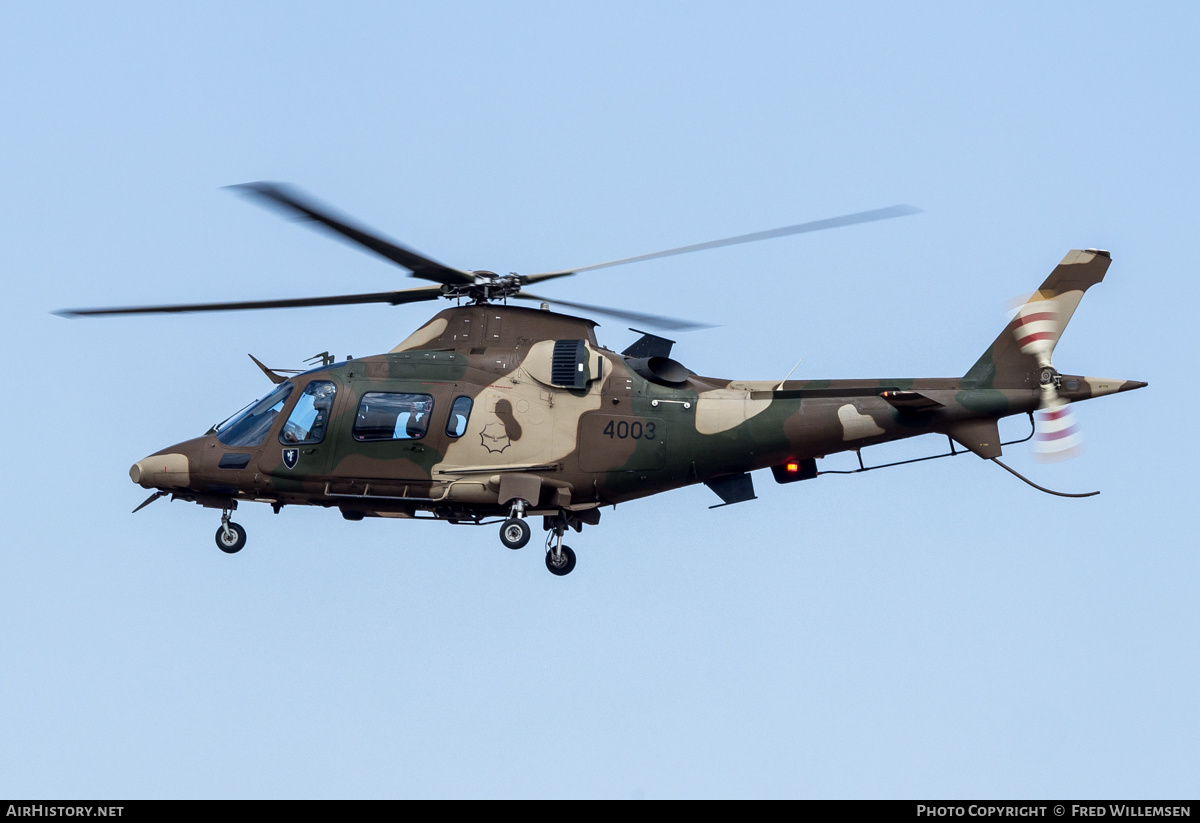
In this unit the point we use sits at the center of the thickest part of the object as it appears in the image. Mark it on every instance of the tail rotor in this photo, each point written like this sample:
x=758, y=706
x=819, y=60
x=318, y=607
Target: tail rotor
x=1058, y=436
x=1021, y=357
x=1037, y=326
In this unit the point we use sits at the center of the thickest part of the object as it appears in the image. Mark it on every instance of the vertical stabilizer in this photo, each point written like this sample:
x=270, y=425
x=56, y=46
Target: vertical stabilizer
x=1027, y=343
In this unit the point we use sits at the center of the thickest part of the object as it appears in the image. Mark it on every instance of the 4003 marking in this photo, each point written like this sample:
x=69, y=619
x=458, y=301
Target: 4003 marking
x=625, y=430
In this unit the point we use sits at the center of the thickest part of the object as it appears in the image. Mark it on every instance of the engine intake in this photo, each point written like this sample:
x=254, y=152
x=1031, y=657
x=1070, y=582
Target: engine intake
x=661, y=370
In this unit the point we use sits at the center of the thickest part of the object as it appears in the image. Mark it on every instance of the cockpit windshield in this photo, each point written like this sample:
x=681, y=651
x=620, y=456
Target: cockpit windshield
x=251, y=426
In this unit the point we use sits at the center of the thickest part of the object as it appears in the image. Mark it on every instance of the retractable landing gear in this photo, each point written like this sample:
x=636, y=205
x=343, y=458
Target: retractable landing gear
x=230, y=536
x=560, y=560
x=515, y=531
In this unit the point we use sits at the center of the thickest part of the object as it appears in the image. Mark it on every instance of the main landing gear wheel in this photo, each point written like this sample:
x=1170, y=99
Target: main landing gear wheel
x=514, y=533
x=231, y=541
x=563, y=564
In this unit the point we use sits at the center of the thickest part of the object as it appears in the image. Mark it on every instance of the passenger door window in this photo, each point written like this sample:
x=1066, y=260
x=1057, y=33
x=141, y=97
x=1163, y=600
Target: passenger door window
x=388, y=416
x=460, y=412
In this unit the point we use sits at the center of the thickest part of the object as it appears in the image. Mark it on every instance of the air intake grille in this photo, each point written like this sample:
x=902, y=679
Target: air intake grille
x=569, y=366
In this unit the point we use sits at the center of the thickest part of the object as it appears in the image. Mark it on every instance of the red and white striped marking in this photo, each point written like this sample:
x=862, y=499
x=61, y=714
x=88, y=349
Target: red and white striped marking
x=1058, y=436
x=1036, y=327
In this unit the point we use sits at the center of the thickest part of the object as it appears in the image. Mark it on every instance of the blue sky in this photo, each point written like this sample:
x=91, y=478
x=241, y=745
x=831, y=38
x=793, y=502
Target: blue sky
x=933, y=630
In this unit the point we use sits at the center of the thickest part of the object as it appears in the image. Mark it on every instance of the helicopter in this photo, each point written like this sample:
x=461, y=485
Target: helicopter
x=491, y=413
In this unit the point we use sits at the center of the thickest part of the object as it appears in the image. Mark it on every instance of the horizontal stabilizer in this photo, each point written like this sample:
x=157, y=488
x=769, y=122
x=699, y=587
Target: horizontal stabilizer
x=910, y=401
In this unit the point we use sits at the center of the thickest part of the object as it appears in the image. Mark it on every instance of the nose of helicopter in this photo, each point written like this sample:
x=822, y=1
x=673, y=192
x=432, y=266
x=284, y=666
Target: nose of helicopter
x=160, y=471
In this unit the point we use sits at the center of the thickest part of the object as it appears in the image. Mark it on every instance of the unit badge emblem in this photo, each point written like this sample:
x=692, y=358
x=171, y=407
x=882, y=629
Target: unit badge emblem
x=494, y=437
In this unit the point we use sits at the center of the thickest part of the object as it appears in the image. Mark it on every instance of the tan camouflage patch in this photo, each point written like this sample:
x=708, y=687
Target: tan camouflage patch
x=1078, y=257
x=539, y=423
x=720, y=410
x=855, y=425
x=430, y=331
x=1101, y=386
x=161, y=471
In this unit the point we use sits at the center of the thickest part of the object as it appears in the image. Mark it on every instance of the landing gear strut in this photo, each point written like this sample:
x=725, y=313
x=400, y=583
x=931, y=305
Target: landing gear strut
x=230, y=536
x=515, y=531
x=560, y=560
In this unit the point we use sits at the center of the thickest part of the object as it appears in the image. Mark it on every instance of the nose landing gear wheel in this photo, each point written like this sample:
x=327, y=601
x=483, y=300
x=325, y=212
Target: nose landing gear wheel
x=514, y=533
x=231, y=541
x=563, y=564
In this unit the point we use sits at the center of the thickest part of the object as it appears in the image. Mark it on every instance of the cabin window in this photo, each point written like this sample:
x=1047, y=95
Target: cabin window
x=456, y=425
x=250, y=427
x=388, y=416
x=306, y=424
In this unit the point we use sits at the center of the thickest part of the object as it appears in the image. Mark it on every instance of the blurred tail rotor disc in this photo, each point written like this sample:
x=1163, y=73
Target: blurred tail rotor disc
x=1058, y=436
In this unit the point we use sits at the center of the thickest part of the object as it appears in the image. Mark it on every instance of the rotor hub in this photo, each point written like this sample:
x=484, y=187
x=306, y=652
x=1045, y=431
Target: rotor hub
x=488, y=286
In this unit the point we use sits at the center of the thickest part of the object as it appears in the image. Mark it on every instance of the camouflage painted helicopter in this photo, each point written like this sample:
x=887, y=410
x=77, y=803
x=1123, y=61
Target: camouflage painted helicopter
x=495, y=413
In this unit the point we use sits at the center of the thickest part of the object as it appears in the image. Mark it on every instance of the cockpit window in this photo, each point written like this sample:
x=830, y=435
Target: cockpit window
x=250, y=427
x=387, y=416
x=306, y=424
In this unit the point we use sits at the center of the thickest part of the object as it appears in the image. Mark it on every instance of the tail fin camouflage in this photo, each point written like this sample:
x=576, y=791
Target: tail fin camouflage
x=1025, y=346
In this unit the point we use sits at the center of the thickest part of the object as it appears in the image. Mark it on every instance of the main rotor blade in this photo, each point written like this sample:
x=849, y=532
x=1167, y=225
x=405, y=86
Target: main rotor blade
x=395, y=298
x=656, y=320
x=290, y=201
x=800, y=228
